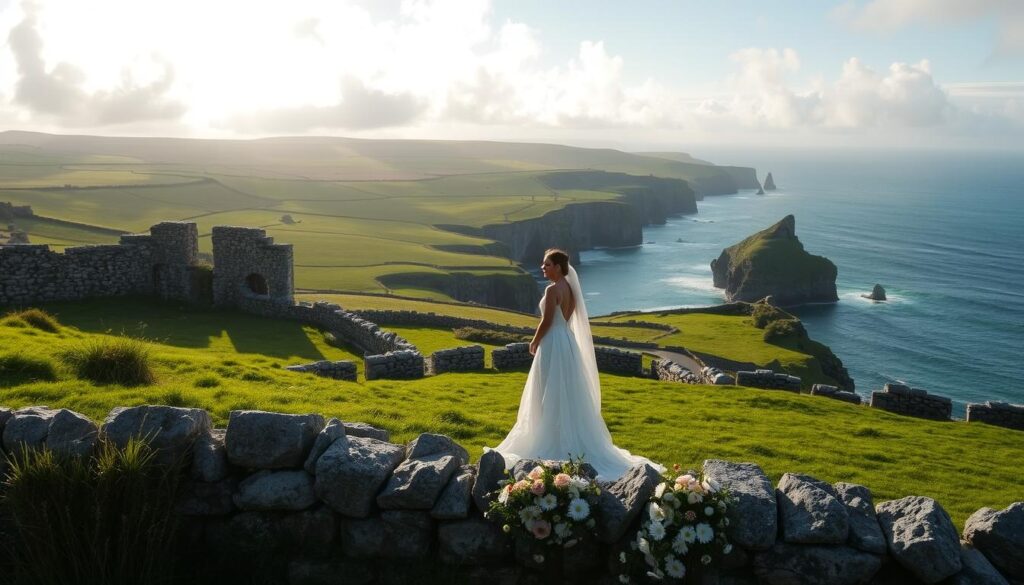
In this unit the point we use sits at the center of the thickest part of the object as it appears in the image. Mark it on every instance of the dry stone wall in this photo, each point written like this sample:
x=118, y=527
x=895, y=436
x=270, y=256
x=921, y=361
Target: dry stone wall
x=835, y=393
x=1001, y=414
x=769, y=380
x=299, y=499
x=617, y=361
x=903, y=399
x=469, y=358
x=669, y=371
x=513, y=356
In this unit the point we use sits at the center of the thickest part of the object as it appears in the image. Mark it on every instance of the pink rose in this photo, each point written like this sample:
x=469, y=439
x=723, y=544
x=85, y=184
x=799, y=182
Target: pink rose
x=521, y=485
x=685, y=479
x=536, y=473
x=541, y=529
x=537, y=488
x=562, y=480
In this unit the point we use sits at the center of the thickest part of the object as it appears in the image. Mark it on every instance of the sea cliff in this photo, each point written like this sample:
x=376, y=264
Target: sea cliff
x=773, y=263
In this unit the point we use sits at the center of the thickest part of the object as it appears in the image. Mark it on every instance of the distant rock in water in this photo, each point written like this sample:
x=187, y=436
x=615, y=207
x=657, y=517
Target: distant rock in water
x=769, y=183
x=877, y=293
x=774, y=262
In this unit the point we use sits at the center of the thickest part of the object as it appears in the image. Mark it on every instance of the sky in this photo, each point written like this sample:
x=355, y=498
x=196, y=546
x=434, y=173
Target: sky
x=636, y=75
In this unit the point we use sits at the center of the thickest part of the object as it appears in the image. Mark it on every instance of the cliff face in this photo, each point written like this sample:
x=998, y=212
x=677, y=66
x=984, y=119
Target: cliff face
x=744, y=177
x=774, y=262
x=584, y=226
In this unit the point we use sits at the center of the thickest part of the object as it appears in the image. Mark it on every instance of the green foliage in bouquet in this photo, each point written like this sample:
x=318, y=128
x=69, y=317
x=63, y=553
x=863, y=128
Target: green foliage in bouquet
x=551, y=506
x=683, y=529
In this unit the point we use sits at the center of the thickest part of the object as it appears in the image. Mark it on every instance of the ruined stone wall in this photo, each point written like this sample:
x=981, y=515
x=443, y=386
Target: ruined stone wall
x=617, y=361
x=142, y=264
x=835, y=393
x=249, y=265
x=903, y=399
x=513, y=356
x=302, y=500
x=1000, y=414
x=768, y=379
x=669, y=371
x=469, y=358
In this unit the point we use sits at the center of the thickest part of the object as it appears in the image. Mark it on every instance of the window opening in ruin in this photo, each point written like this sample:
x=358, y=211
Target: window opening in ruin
x=257, y=284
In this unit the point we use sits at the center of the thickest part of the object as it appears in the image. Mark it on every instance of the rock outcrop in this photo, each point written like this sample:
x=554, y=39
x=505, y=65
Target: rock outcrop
x=769, y=183
x=877, y=293
x=773, y=263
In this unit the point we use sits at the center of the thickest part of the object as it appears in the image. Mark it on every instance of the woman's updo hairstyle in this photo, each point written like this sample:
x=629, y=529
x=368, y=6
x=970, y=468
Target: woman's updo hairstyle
x=559, y=257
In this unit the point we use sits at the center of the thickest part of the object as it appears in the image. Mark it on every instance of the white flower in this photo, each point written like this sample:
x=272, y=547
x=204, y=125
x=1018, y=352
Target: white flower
x=727, y=549
x=622, y=557
x=704, y=533
x=694, y=498
x=656, y=512
x=725, y=521
x=579, y=509
x=579, y=483
x=656, y=574
x=711, y=486
x=529, y=513
x=669, y=497
x=679, y=544
x=643, y=546
x=689, y=534
x=623, y=579
x=674, y=567
x=548, y=502
x=721, y=505
x=538, y=559
x=706, y=559
x=660, y=490
x=709, y=511
x=573, y=492
x=503, y=496
x=656, y=530
x=562, y=530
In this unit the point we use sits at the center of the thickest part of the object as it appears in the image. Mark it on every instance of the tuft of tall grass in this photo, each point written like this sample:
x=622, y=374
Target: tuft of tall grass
x=118, y=360
x=18, y=368
x=37, y=318
x=108, y=519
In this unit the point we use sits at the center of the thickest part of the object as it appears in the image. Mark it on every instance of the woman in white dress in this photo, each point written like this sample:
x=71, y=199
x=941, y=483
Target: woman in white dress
x=560, y=411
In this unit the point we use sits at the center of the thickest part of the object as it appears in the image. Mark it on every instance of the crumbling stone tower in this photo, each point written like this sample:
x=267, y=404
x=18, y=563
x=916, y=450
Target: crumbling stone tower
x=249, y=266
x=175, y=253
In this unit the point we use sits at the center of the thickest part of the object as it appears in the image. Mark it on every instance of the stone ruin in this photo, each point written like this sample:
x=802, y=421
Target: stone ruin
x=769, y=379
x=836, y=393
x=298, y=499
x=903, y=399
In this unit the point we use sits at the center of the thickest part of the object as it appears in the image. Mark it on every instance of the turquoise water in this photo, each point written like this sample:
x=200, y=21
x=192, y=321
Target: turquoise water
x=942, y=232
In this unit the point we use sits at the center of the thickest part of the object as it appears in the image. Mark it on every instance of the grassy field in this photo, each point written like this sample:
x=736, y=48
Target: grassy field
x=361, y=209
x=223, y=361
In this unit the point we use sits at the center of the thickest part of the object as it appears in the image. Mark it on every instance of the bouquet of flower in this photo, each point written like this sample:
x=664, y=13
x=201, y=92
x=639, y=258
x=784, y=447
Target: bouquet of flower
x=551, y=506
x=684, y=524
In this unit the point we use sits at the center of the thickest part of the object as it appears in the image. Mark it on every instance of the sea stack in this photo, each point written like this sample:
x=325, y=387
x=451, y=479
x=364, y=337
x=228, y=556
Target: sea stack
x=774, y=262
x=769, y=183
x=877, y=293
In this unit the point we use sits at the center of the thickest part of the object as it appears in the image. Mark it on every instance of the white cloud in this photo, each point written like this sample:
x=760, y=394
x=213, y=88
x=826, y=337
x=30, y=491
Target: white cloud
x=892, y=15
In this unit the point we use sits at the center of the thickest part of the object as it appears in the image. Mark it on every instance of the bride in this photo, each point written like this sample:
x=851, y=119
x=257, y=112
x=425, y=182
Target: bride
x=560, y=411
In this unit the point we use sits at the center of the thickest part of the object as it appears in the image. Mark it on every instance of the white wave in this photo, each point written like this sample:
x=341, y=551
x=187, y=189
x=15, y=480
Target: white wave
x=890, y=298
x=699, y=283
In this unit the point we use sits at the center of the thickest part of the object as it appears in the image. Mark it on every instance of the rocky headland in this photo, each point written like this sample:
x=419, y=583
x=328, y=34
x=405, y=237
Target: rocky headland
x=773, y=263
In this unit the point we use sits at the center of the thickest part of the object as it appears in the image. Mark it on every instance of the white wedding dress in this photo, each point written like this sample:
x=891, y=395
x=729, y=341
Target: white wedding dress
x=560, y=411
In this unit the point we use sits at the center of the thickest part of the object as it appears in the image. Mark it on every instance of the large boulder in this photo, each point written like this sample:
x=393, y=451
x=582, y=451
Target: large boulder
x=921, y=537
x=472, y=542
x=395, y=534
x=350, y=474
x=62, y=431
x=432, y=444
x=490, y=470
x=789, y=564
x=289, y=490
x=210, y=457
x=754, y=515
x=865, y=533
x=622, y=501
x=417, y=483
x=977, y=570
x=456, y=500
x=999, y=535
x=332, y=431
x=810, y=511
x=168, y=429
x=271, y=440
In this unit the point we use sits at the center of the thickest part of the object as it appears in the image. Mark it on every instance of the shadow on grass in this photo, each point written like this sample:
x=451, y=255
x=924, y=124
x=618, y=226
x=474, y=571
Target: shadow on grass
x=187, y=326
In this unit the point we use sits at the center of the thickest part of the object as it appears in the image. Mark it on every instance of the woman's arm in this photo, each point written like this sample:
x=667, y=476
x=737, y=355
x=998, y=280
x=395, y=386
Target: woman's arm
x=545, y=321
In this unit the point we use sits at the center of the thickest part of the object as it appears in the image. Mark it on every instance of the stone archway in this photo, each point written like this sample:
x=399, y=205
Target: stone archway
x=257, y=284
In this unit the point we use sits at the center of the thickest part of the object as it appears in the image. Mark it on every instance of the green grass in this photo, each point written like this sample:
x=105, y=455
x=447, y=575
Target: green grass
x=964, y=466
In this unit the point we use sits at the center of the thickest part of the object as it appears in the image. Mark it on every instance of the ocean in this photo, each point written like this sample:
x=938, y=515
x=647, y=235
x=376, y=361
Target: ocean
x=943, y=232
